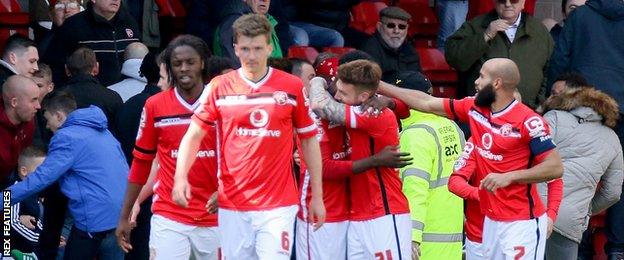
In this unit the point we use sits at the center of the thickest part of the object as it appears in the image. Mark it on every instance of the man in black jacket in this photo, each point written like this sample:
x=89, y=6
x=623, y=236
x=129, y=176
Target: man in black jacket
x=388, y=46
x=82, y=68
x=103, y=27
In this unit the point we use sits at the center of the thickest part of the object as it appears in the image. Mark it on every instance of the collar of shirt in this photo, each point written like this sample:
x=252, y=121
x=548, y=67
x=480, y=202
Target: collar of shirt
x=8, y=66
x=511, y=31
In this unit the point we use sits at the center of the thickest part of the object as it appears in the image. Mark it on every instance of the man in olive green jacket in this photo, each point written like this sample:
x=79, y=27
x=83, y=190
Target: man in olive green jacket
x=505, y=32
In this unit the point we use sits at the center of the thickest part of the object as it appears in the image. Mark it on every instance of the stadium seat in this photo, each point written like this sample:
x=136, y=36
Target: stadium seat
x=303, y=52
x=365, y=15
x=12, y=20
x=424, y=21
x=338, y=50
x=170, y=8
x=424, y=42
x=434, y=66
x=444, y=91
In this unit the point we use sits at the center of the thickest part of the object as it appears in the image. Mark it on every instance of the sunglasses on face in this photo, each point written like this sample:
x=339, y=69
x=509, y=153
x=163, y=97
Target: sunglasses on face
x=393, y=25
x=505, y=1
x=70, y=5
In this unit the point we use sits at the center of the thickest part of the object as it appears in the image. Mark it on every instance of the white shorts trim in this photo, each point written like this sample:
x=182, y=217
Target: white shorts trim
x=173, y=240
x=261, y=234
x=386, y=237
x=521, y=239
x=328, y=242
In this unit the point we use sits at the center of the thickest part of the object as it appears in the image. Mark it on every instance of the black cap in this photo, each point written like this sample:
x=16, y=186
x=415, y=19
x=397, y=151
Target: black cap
x=412, y=80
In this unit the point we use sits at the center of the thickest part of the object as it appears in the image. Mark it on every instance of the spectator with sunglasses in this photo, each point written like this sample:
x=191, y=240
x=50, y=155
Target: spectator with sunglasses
x=388, y=46
x=505, y=32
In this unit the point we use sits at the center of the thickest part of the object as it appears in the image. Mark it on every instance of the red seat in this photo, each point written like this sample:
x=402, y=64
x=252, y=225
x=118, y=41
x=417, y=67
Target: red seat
x=12, y=20
x=434, y=66
x=423, y=22
x=338, y=50
x=444, y=91
x=303, y=52
x=424, y=42
x=365, y=15
x=171, y=8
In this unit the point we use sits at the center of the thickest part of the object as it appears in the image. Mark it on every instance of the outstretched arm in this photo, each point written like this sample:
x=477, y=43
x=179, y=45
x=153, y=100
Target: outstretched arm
x=415, y=99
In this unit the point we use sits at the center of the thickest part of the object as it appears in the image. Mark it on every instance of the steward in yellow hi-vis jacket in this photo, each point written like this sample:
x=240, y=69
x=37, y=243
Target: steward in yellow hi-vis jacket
x=437, y=215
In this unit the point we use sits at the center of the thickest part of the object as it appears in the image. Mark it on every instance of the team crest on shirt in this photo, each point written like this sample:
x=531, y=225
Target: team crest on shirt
x=259, y=118
x=506, y=130
x=280, y=97
x=129, y=32
x=486, y=141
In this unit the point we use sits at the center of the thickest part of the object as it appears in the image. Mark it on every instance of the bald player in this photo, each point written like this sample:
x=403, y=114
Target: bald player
x=514, y=151
x=20, y=102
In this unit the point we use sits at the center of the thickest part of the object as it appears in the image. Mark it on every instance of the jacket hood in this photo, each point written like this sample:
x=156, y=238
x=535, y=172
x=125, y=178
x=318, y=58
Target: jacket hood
x=131, y=68
x=586, y=103
x=92, y=117
x=611, y=9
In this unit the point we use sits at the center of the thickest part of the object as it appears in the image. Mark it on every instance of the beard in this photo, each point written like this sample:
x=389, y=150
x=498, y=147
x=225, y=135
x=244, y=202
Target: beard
x=486, y=96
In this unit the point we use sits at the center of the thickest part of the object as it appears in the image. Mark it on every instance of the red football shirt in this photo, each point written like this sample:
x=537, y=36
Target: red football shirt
x=465, y=169
x=335, y=146
x=512, y=139
x=376, y=192
x=164, y=121
x=255, y=123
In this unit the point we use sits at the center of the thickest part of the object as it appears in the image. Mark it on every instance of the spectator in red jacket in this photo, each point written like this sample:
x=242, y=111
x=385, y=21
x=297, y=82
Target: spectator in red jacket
x=20, y=102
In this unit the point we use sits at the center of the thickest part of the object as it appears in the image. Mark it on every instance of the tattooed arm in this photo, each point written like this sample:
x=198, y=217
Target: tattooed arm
x=323, y=104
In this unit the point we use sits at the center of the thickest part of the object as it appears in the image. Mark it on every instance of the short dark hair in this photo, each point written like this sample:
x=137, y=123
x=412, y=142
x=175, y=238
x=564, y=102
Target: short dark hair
x=18, y=44
x=573, y=80
x=150, y=69
x=218, y=64
x=81, y=61
x=59, y=101
x=354, y=55
x=563, y=6
x=29, y=153
x=280, y=63
x=297, y=64
x=252, y=25
x=363, y=74
x=196, y=44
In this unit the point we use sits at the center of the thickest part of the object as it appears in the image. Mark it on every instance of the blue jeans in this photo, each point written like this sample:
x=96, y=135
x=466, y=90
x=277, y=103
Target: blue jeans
x=615, y=214
x=452, y=15
x=83, y=245
x=306, y=34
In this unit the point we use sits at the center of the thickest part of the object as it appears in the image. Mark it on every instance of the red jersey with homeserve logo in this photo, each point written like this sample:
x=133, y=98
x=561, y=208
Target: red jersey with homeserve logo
x=514, y=138
x=335, y=151
x=164, y=121
x=465, y=168
x=255, y=128
x=376, y=192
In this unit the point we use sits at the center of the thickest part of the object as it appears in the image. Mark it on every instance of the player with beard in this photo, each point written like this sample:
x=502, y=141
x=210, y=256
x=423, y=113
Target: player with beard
x=176, y=232
x=515, y=151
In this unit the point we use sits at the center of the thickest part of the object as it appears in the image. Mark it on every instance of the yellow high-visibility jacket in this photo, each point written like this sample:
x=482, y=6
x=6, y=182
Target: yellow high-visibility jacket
x=437, y=215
